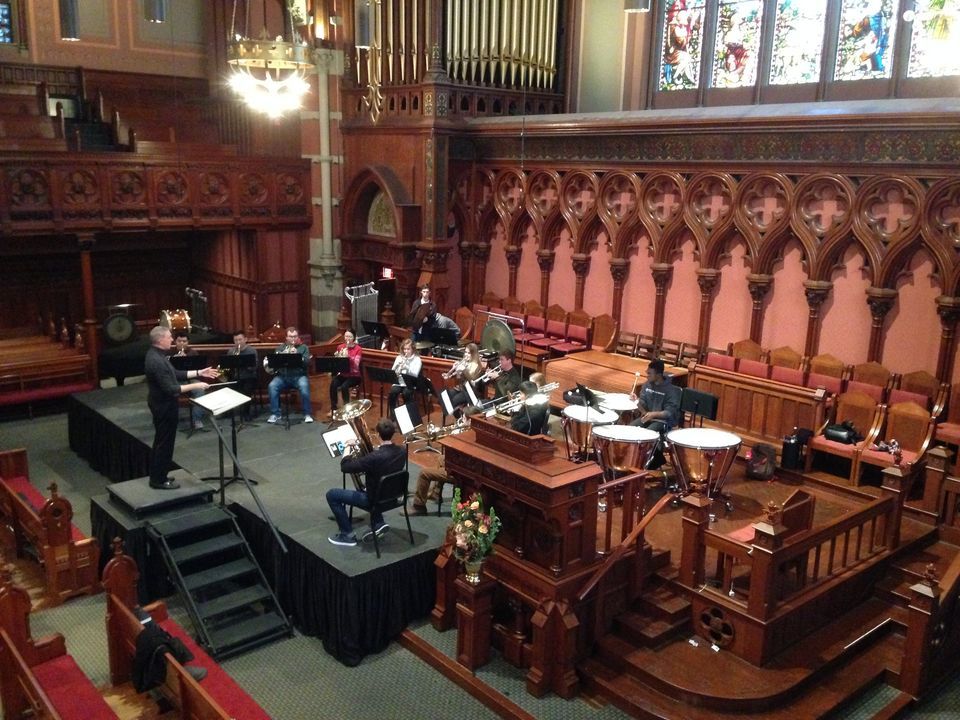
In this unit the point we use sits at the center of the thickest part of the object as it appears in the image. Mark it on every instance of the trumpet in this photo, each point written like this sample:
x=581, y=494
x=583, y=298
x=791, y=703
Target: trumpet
x=515, y=401
x=340, y=352
x=456, y=369
x=491, y=374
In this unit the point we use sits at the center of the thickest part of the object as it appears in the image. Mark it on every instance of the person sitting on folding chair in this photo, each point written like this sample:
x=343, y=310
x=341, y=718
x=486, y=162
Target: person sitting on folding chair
x=386, y=459
x=659, y=405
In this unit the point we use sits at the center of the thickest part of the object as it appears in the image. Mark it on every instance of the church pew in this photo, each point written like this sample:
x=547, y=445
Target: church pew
x=70, y=560
x=38, y=675
x=217, y=697
x=757, y=409
x=44, y=376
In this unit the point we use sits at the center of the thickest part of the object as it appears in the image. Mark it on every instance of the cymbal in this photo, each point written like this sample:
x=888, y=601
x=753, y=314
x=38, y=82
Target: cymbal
x=423, y=344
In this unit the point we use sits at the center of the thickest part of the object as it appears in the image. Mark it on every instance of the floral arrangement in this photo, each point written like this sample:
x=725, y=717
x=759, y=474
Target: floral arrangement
x=473, y=530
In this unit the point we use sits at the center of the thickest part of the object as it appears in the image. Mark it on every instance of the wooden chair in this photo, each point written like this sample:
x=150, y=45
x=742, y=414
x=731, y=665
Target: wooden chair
x=827, y=372
x=518, y=326
x=536, y=329
x=646, y=347
x=912, y=427
x=669, y=351
x=720, y=361
x=626, y=343
x=871, y=378
x=276, y=333
x=464, y=319
x=605, y=330
x=555, y=331
x=754, y=368
x=747, y=349
x=796, y=516
x=785, y=356
x=533, y=307
x=790, y=376
x=867, y=417
x=579, y=334
x=492, y=300
x=512, y=305
x=920, y=383
x=479, y=320
x=948, y=431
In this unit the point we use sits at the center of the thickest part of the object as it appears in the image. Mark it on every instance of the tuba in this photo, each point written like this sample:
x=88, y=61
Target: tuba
x=352, y=414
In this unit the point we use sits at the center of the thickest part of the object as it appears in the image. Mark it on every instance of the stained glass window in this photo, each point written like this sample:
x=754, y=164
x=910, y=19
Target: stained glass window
x=737, y=46
x=865, y=39
x=682, y=42
x=6, y=23
x=934, y=39
x=797, y=41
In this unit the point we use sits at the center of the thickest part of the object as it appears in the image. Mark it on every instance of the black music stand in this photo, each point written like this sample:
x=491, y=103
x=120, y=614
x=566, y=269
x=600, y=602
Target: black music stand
x=589, y=397
x=442, y=336
x=217, y=403
x=285, y=361
x=331, y=364
x=377, y=329
x=698, y=404
x=235, y=365
x=381, y=376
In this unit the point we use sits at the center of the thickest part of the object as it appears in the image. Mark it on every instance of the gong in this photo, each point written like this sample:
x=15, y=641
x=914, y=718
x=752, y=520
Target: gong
x=496, y=336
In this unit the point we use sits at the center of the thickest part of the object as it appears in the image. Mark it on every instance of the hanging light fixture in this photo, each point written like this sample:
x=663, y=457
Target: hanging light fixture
x=636, y=6
x=269, y=74
x=68, y=20
x=155, y=11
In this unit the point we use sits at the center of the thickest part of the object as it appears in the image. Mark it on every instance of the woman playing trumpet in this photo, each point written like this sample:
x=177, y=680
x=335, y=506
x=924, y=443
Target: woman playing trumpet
x=468, y=370
x=406, y=365
x=349, y=378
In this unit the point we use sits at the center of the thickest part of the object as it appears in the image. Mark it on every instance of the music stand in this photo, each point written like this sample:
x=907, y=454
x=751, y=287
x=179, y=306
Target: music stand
x=188, y=362
x=442, y=336
x=217, y=403
x=331, y=364
x=235, y=365
x=377, y=329
x=285, y=361
x=698, y=403
x=589, y=397
x=381, y=376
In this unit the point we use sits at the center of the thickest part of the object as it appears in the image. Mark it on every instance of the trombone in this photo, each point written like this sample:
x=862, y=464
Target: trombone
x=515, y=401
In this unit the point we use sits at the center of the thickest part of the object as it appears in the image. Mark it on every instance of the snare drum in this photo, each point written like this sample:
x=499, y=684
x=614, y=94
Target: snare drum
x=579, y=420
x=703, y=455
x=175, y=320
x=624, y=448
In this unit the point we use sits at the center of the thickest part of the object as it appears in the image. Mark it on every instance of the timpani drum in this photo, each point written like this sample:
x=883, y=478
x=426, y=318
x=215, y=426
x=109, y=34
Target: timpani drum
x=175, y=320
x=579, y=421
x=624, y=448
x=621, y=404
x=703, y=455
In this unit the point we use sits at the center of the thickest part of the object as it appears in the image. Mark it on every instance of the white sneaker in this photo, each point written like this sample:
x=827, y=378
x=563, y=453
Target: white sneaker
x=272, y=420
x=308, y=418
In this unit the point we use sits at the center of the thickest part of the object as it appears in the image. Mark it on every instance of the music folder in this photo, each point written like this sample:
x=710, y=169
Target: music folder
x=286, y=361
x=375, y=328
x=221, y=401
x=337, y=440
x=331, y=364
x=404, y=423
x=188, y=362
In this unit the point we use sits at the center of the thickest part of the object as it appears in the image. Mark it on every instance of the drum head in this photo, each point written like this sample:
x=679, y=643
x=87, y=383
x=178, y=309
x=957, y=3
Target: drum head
x=626, y=433
x=581, y=413
x=618, y=402
x=703, y=438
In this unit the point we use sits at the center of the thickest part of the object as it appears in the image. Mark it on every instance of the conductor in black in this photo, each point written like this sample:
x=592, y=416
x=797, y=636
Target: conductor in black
x=163, y=389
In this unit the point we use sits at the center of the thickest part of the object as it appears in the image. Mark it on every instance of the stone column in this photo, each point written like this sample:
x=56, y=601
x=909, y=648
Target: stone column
x=514, y=253
x=759, y=286
x=707, y=279
x=545, y=260
x=880, y=300
x=619, y=270
x=949, y=310
x=816, y=292
x=661, y=275
x=581, y=266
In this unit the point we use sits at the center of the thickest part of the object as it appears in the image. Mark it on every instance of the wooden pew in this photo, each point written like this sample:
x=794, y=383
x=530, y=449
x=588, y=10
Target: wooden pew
x=758, y=409
x=38, y=675
x=70, y=560
x=44, y=375
x=218, y=697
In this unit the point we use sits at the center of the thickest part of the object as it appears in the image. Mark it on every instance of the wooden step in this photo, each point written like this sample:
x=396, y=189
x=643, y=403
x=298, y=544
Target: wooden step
x=939, y=554
x=647, y=631
x=663, y=603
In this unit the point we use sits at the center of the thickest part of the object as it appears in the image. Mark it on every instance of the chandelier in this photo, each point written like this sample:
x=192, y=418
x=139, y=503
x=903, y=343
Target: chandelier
x=269, y=73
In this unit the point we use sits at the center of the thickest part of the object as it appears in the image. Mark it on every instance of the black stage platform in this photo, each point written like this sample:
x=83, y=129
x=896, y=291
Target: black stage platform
x=347, y=597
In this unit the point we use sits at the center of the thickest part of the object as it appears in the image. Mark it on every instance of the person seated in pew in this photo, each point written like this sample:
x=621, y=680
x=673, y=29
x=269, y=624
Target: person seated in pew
x=291, y=377
x=386, y=459
x=343, y=381
x=532, y=415
x=181, y=348
x=245, y=377
x=659, y=406
x=406, y=365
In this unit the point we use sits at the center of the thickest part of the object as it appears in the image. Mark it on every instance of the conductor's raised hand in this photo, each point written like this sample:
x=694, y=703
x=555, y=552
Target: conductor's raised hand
x=210, y=373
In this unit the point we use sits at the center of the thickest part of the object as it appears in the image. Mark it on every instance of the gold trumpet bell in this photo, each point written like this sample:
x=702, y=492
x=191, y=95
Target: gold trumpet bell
x=352, y=410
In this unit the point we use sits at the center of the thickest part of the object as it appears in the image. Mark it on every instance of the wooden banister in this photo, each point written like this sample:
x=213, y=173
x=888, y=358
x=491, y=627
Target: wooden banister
x=622, y=547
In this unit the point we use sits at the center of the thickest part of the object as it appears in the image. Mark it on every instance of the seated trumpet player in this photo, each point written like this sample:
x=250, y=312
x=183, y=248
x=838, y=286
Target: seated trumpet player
x=246, y=377
x=467, y=370
x=290, y=377
x=407, y=365
x=343, y=381
x=387, y=458
x=507, y=377
x=532, y=412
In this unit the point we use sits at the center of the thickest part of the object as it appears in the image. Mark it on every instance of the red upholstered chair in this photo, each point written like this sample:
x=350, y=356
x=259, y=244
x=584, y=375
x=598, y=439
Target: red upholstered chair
x=721, y=362
x=912, y=427
x=536, y=329
x=554, y=334
x=491, y=300
x=833, y=385
x=519, y=322
x=578, y=336
x=948, y=431
x=867, y=417
x=923, y=383
x=756, y=368
x=512, y=305
x=868, y=374
x=790, y=376
x=827, y=364
x=877, y=392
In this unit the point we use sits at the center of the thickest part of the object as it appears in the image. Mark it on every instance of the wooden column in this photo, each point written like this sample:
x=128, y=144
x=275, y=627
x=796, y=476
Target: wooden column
x=895, y=484
x=481, y=255
x=696, y=519
x=707, y=279
x=444, y=610
x=816, y=292
x=880, y=300
x=86, y=242
x=553, y=666
x=767, y=539
x=934, y=474
x=949, y=310
x=922, y=614
x=514, y=254
x=619, y=270
x=661, y=275
x=474, y=621
x=759, y=286
x=581, y=266
x=545, y=260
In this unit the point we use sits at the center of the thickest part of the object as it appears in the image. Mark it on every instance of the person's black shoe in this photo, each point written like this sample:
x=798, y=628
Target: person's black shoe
x=168, y=484
x=196, y=672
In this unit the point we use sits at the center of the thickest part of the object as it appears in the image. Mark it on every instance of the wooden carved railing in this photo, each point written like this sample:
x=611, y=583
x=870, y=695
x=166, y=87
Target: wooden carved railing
x=950, y=511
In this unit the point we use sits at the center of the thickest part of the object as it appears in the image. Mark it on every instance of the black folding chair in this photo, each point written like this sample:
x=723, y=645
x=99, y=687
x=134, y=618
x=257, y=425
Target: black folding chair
x=391, y=492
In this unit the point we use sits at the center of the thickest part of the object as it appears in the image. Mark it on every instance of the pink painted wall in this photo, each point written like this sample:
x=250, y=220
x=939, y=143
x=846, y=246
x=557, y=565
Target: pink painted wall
x=528, y=274
x=905, y=349
x=732, y=305
x=681, y=318
x=498, y=273
x=598, y=287
x=563, y=282
x=785, y=308
x=846, y=315
x=639, y=292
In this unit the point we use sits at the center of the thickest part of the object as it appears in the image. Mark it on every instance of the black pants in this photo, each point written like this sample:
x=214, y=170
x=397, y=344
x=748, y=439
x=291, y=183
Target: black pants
x=658, y=426
x=165, y=418
x=343, y=384
x=409, y=399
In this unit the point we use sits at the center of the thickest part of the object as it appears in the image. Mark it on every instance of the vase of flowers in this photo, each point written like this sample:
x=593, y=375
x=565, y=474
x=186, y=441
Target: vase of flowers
x=474, y=531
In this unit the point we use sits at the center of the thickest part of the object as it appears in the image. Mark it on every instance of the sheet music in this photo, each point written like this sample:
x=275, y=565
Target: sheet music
x=447, y=405
x=337, y=440
x=221, y=401
x=474, y=400
x=404, y=423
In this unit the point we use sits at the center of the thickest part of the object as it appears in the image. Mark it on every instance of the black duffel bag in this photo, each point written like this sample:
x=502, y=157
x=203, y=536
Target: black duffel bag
x=844, y=433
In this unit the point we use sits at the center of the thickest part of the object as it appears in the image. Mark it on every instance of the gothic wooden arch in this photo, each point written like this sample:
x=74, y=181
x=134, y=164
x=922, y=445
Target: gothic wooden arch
x=941, y=226
x=899, y=257
x=807, y=221
x=652, y=213
x=696, y=212
x=873, y=228
x=577, y=208
x=360, y=194
x=543, y=196
x=829, y=257
x=619, y=200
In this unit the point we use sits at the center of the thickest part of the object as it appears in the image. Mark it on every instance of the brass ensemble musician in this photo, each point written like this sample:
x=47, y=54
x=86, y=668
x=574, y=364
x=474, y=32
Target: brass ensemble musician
x=421, y=311
x=245, y=377
x=343, y=381
x=406, y=365
x=387, y=458
x=181, y=342
x=468, y=370
x=291, y=377
x=534, y=411
x=507, y=376
x=431, y=481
